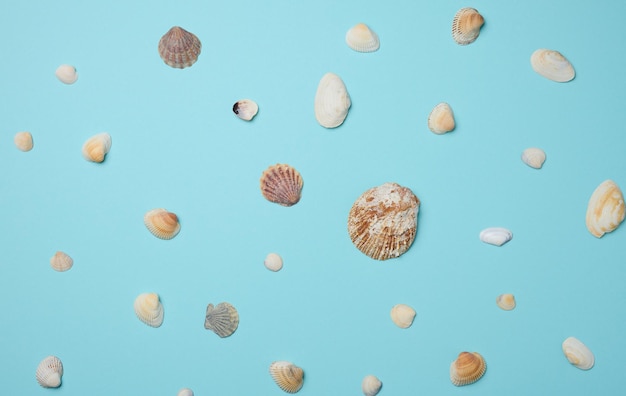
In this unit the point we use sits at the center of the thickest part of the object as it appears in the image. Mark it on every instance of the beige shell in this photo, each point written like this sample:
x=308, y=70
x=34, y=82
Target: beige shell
x=496, y=236
x=245, y=109
x=362, y=39
x=287, y=376
x=332, y=101
x=466, y=25
x=605, y=211
x=66, y=74
x=96, y=147
x=552, y=65
x=23, y=141
x=402, y=315
x=468, y=368
x=371, y=385
x=149, y=309
x=273, y=262
x=222, y=319
x=506, y=301
x=161, y=223
x=179, y=48
x=383, y=221
x=49, y=372
x=282, y=184
x=534, y=157
x=185, y=392
x=61, y=262
x=441, y=119
x=578, y=354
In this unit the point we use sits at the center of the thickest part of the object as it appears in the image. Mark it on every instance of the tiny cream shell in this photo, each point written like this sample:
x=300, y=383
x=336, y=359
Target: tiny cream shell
x=23, y=141
x=552, y=65
x=49, y=372
x=149, y=309
x=468, y=368
x=362, y=39
x=466, y=25
x=273, y=262
x=332, y=101
x=605, y=210
x=578, y=354
x=185, y=392
x=161, y=223
x=96, y=147
x=441, y=119
x=497, y=236
x=402, y=315
x=371, y=385
x=61, y=262
x=287, y=376
x=506, y=301
x=245, y=109
x=66, y=74
x=534, y=157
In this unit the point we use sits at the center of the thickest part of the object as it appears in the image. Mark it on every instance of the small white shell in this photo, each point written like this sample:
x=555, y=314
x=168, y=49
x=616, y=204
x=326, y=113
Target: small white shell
x=497, y=236
x=534, y=157
x=441, y=119
x=96, y=147
x=506, y=301
x=66, y=74
x=61, y=262
x=371, y=385
x=273, y=262
x=245, y=109
x=185, y=392
x=332, y=101
x=362, y=39
x=149, y=309
x=49, y=372
x=578, y=354
x=402, y=315
x=23, y=141
x=552, y=65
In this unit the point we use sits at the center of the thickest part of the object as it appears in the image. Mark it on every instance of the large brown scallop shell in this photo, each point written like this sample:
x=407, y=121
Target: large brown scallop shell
x=383, y=221
x=282, y=184
x=179, y=48
x=466, y=25
x=468, y=368
x=222, y=319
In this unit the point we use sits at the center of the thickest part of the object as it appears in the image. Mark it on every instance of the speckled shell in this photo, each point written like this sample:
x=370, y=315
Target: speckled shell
x=61, y=262
x=161, y=223
x=287, y=376
x=96, y=147
x=371, y=385
x=468, y=368
x=534, y=157
x=466, y=25
x=402, y=315
x=222, y=319
x=245, y=109
x=179, y=48
x=49, y=372
x=23, y=141
x=282, y=184
x=273, y=262
x=552, y=65
x=496, y=236
x=66, y=74
x=578, y=354
x=605, y=210
x=149, y=309
x=185, y=392
x=441, y=119
x=332, y=101
x=362, y=39
x=383, y=221
x=506, y=301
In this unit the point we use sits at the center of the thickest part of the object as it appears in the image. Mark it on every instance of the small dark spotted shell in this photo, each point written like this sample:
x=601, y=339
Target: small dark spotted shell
x=179, y=48
x=282, y=184
x=222, y=319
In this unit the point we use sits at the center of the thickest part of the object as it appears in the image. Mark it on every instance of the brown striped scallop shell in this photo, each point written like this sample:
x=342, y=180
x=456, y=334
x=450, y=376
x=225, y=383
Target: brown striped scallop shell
x=222, y=319
x=468, y=368
x=282, y=184
x=287, y=376
x=466, y=25
x=179, y=48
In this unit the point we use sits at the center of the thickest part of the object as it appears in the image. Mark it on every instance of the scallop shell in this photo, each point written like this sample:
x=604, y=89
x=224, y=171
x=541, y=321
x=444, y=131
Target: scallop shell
x=185, y=392
x=578, y=354
x=552, y=65
x=96, y=147
x=66, y=74
x=332, y=101
x=441, y=119
x=362, y=39
x=466, y=25
x=282, y=184
x=245, y=109
x=61, y=262
x=506, y=301
x=23, y=141
x=222, y=319
x=605, y=211
x=161, y=223
x=402, y=315
x=371, y=385
x=468, y=368
x=49, y=372
x=383, y=221
x=179, y=48
x=149, y=309
x=534, y=157
x=497, y=236
x=287, y=376
x=273, y=262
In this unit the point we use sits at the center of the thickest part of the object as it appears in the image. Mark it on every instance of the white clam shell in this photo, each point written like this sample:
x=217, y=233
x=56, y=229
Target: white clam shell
x=273, y=262
x=371, y=385
x=578, y=354
x=185, y=392
x=362, y=39
x=149, y=309
x=49, y=372
x=97, y=147
x=66, y=74
x=605, y=210
x=497, y=236
x=402, y=315
x=534, y=157
x=245, y=109
x=506, y=301
x=552, y=65
x=332, y=101
x=23, y=141
x=61, y=262
x=441, y=119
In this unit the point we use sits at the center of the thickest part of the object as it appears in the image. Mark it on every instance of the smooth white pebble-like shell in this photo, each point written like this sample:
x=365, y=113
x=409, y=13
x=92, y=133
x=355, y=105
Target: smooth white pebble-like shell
x=332, y=101
x=534, y=157
x=49, y=372
x=362, y=39
x=66, y=74
x=185, y=392
x=273, y=262
x=552, y=65
x=23, y=141
x=497, y=236
x=371, y=385
x=402, y=315
x=578, y=354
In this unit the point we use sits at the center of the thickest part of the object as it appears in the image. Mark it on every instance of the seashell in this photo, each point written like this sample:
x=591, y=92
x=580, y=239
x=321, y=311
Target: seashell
x=179, y=48
x=383, y=221
x=149, y=309
x=466, y=25
x=282, y=184
x=441, y=119
x=287, y=376
x=161, y=223
x=61, y=262
x=497, y=236
x=605, y=211
x=273, y=262
x=534, y=157
x=362, y=39
x=96, y=147
x=49, y=372
x=371, y=385
x=332, y=101
x=506, y=301
x=468, y=368
x=185, y=392
x=552, y=65
x=245, y=109
x=222, y=319
x=402, y=315
x=578, y=354
x=23, y=141
x=66, y=74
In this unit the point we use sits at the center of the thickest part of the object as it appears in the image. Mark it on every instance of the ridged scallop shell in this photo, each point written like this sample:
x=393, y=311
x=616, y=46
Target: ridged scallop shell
x=23, y=141
x=466, y=25
x=282, y=184
x=534, y=157
x=273, y=262
x=578, y=354
x=468, y=368
x=149, y=309
x=61, y=262
x=605, y=211
x=245, y=109
x=371, y=385
x=161, y=223
x=497, y=236
x=552, y=65
x=179, y=48
x=185, y=392
x=332, y=101
x=402, y=315
x=49, y=372
x=96, y=147
x=222, y=319
x=506, y=301
x=441, y=119
x=287, y=376
x=362, y=39
x=66, y=74
x=383, y=221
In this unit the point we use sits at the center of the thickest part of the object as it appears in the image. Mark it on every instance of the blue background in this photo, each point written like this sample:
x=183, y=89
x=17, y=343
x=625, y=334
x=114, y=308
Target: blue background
x=177, y=145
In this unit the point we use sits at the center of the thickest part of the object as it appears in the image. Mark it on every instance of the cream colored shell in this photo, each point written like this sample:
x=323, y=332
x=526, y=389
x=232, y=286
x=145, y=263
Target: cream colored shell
x=149, y=309
x=287, y=376
x=49, y=372
x=578, y=354
x=332, y=101
x=468, y=368
x=605, y=210
x=273, y=262
x=552, y=65
x=441, y=119
x=66, y=74
x=245, y=109
x=534, y=157
x=23, y=141
x=466, y=25
x=371, y=385
x=506, y=301
x=161, y=223
x=402, y=315
x=185, y=392
x=497, y=236
x=61, y=262
x=362, y=39
x=96, y=147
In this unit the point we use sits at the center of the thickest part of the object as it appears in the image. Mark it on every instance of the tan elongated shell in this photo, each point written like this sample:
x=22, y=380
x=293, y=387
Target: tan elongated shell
x=287, y=376
x=441, y=119
x=605, y=210
x=161, y=223
x=149, y=309
x=552, y=65
x=534, y=157
x=49, y=372
x=222, y=319
x=96, y=147
x=23, y=141
x=245, y=109
x=578, y=354
x=506, y=301
x=282, y=184
x=332, y=101
x=402, y=315
x=466, y=25
x=371, y=385
x=66, y=74
x=61, y=262
x=362, y=39
x=179, y=48
x=468, y=368
x=383, y=221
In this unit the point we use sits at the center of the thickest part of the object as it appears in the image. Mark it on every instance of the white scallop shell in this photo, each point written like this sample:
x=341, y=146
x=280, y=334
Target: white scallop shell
x=362, y=39
x=441, y=119
x=273, y=262
x=534, y=157
x=497, y=236
x=245, y=109
x=61, y=262
x=402, y=315
x=23, y=141
x=332, y=101
x=185, y=392
x=66, y=74
x=578, y=354
x=149, y=309
x=552, y=65
x=506, y=301
x=371, y=385
x=49, y=372
x=96, y=147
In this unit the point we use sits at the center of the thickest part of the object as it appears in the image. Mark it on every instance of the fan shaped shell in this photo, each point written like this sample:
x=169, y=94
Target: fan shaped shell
x=468, y=368
x=149, y=309
x=179, y=48
x=577, y=353
x=61, y=262
x=222, y=319
x=441, y=119
x=466, y=25
x=49, y=372
x=161, y=223
x=552, y=65
x=332, y=101
x=362, y=39
x=287, y=376
x=534, y=157
x=402, y=315
x=497, y=236
x=605, y=210
x=245, y=109
x=96, y=147
x=282, y=184
x=506, y=301
x=23, y=141
x=371, y=385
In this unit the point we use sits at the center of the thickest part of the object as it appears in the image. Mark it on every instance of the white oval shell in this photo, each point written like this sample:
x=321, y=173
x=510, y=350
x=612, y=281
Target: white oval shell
x=578, y=354
x=402, y=315
x=506, y=301
x=287, y=376
x=331, y=101
x=371, y=385
x=273, y=262
x=23, y=141
x=497, y=236
x=605, y=210
x=66, y=74
x=441, y=119
x=552, y=65
x=534, y=157
x=96, y=147
x=61, y=262
x=185, y=392
x=49, y=372
x=149, y=309
x=362, y=39
x=245, y=109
